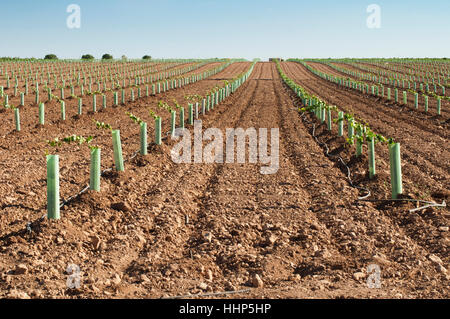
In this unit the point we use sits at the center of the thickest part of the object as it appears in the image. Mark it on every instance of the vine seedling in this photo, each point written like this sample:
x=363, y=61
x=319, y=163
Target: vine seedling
x=157, y=127
x=95, y=151
x=143, y=132
x=173, y=115
x=117, y=145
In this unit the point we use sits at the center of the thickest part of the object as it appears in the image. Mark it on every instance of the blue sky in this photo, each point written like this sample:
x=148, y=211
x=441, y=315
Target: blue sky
x=231, y=28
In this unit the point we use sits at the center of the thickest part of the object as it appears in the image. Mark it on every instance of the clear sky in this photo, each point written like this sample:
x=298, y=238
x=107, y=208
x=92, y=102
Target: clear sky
x=231, y=28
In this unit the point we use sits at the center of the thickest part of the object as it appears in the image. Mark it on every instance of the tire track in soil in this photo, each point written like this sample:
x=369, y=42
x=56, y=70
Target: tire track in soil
x=246, y=261
x=216, y=169
x=186, y=192
x=235, y=259
x=211, y=117
x=327, y=244
x=231, y=194
x=424, y=170
x=242, y=198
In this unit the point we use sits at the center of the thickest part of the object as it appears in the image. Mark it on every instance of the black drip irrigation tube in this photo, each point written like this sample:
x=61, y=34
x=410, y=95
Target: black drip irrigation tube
x=327, y=153
x=30, y=225
x=35, y=224
x=368, y=192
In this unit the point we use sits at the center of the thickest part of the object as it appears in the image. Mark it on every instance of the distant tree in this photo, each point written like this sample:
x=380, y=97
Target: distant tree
x=107, y=56
x=16, y=59
x=87, y=57
x=146, y=57
x=51, y=57
x=124, y=58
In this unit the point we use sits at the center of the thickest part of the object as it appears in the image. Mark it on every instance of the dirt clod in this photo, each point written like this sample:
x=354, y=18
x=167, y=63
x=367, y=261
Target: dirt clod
x=121, y=206
x=21, y=269
x=359, y=276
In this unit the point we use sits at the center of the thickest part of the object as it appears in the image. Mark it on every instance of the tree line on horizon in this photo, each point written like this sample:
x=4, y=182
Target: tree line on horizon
x=85, y=57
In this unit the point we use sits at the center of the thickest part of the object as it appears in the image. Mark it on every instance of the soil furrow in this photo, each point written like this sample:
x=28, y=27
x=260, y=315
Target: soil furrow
x=164, y=229
x=423, y=163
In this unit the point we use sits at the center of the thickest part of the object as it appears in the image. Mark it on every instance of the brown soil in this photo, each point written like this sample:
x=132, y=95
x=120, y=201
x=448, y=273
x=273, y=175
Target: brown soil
x=160, y=229
x=430, y=116
x=427, y=164
x=402, y=69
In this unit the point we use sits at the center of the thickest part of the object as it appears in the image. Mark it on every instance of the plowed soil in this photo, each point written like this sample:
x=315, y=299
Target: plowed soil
x=162, y=229
x=430, y=117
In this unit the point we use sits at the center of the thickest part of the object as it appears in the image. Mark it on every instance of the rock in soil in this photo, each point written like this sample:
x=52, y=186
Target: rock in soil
x=257, y=281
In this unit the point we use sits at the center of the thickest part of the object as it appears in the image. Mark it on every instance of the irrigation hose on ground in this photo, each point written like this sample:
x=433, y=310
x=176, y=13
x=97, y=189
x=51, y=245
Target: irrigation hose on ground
x=30, y=225
x=365, y=197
